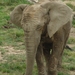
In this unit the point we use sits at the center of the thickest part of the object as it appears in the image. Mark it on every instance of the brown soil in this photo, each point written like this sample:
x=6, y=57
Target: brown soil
x=72, y=72
x=9, y=50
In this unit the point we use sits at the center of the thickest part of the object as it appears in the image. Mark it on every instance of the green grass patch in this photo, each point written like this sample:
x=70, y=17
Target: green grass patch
x=68, y=60
x=14, y=63
x=11, y=2
x=61, y=73
x=3, y=51
x=71, y=6
x=71, y=41
x=73, y=22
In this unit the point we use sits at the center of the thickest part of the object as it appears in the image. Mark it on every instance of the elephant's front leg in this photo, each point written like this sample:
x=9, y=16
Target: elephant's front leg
x=56, y=52
x=40, y=61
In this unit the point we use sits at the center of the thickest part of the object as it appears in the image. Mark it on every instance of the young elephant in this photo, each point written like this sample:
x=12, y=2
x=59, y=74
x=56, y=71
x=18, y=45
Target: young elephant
x=46, y=27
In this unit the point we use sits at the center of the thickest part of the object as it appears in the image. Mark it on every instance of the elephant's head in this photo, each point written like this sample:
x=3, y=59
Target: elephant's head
x=55, y=14
x=34, y=18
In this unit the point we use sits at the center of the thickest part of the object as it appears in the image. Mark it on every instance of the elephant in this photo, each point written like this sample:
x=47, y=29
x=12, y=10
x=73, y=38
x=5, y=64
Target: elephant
x=46, y=28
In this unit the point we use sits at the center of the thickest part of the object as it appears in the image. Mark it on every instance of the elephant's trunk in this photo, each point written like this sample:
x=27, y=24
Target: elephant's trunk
x=30, y=43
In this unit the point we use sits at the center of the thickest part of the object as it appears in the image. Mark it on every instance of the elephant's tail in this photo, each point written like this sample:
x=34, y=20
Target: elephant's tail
x=67, y=47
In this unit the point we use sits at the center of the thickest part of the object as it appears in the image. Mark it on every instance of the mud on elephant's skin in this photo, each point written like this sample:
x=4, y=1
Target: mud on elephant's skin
x=46, y=27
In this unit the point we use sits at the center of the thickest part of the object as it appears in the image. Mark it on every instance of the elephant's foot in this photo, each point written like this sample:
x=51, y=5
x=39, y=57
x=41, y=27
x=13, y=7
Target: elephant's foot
x=42, y=73
x=52, y=73
x=39, y=74
x=59, y=67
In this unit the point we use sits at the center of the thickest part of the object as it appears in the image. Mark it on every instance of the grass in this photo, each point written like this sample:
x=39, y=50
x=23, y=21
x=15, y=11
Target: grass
x=73, y=22
x=61, y=73
x=13, y=64
x=71, y=40
x=70, y=5
x=3, y=51
x=11, y=2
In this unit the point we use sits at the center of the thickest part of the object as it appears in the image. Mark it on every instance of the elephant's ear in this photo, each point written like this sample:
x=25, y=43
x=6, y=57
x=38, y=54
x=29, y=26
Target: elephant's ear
x=59, y=14
x=16, y=14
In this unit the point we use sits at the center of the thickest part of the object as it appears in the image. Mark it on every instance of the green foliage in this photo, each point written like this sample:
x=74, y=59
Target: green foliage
x=61, y=73
x=73, y=22
x=71, y=41
x=14, y=63
x=72, y=6
x=3, y=51
x=11, y=2
x=69, y=60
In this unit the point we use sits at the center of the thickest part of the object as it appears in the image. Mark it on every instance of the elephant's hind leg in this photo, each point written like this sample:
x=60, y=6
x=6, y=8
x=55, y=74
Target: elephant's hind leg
x=40, y=61
x=46, y=50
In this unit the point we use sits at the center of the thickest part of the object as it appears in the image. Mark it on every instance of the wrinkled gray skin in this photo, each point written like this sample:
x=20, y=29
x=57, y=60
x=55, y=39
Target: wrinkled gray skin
x=34, y=21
